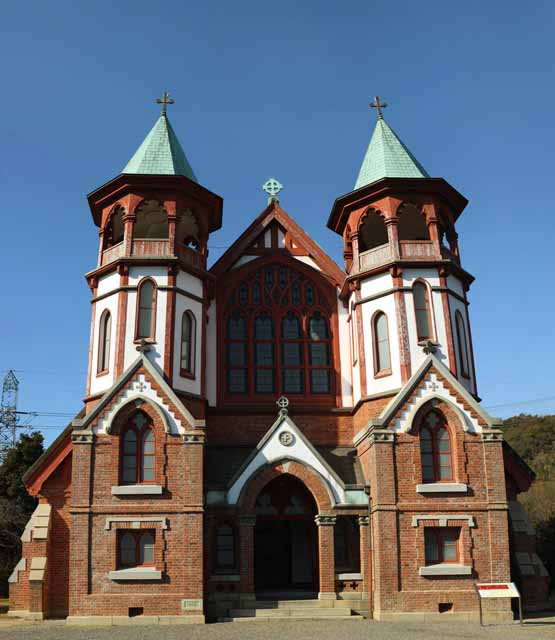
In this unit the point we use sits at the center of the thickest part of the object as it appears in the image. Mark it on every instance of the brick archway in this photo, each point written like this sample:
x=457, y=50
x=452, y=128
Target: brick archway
x=313, y=481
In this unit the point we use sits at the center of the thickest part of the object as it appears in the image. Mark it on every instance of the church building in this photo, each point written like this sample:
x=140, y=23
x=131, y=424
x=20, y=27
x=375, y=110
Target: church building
x=276, y=434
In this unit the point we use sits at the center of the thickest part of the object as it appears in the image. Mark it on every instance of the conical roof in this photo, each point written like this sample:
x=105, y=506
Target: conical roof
x=160, y=153
x=387, y=157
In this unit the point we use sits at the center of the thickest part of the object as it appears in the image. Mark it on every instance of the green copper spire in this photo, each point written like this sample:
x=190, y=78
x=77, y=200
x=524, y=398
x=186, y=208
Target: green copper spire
x=160, y=152
x=387, y=156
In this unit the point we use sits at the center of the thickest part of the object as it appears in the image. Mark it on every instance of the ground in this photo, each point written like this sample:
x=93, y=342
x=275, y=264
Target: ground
x=286, y=630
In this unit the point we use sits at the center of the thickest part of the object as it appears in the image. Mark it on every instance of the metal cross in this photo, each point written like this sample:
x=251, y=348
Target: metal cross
x=272, y=187
x=379, y=106
x=165, y=101
x=282, y=403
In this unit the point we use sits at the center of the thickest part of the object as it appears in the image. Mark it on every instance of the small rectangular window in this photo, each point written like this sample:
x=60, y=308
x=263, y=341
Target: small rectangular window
x=441, y=544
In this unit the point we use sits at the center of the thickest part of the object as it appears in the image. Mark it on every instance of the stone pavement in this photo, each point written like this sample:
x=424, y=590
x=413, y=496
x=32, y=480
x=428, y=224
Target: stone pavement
x=533, y=629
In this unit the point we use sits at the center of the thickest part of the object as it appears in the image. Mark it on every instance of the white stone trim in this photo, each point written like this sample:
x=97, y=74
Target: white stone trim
x=433, y=387
x=38, y=524
x=137, y=490
x=445, y=569
x=443, y=519
x=442, y=487
x=136, y=521
x=20, y=566
x=135, y=573
x=38, y=567
x=271, y=449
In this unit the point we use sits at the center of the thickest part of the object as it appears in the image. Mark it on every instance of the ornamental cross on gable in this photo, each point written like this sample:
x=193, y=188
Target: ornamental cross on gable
x=165, y=101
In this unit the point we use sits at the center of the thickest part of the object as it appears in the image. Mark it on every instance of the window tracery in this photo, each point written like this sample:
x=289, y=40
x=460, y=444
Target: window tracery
x=278, y=336
x=435, y=449
x=137, y=450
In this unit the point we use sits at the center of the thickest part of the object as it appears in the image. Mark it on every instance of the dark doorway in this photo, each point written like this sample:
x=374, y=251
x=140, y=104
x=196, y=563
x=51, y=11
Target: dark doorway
x=285, y=538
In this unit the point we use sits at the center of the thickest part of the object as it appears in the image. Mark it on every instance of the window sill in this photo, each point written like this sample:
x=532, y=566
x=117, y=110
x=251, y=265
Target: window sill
x=348, y=576
x=135, y=573
x=137, y=490
x=382, y=374
x=104, y=372
x=445, y=569
x=442, y=487
x=187, y=374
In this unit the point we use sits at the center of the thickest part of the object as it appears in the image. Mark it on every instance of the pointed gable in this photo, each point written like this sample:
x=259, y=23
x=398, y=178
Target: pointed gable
x=274, y=231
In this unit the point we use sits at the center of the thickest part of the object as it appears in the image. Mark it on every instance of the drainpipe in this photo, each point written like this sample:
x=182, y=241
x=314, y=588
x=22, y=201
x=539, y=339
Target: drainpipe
x=371, y=551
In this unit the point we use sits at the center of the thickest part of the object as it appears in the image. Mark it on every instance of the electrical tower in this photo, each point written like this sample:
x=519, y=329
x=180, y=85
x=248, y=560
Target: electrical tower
x=8, y=414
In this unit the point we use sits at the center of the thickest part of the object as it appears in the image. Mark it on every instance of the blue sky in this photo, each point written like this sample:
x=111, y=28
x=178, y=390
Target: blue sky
x=277, y=89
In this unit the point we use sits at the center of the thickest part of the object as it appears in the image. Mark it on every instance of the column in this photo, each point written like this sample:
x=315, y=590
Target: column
x=326, y=556
x=365, y=556
x=246, y=557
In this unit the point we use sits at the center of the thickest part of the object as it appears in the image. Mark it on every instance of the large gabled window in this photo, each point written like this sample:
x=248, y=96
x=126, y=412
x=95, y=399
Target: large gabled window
x=104, y=339
x=278, y=337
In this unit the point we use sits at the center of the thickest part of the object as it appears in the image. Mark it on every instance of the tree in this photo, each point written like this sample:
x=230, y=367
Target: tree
x=16, y=505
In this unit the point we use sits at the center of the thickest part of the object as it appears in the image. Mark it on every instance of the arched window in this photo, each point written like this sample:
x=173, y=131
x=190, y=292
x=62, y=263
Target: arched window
x=146, y=310
x=278, y=336
x=138, y=450
x=382, y=357
x=422, y=311
x=151, y=221
x=462, y=345
x=412, y=224
x=136, y=548
x=188, y=340
x=114, y=230
x=104, y=337
x=225, y=547
x=372, y=232
x=435, y=449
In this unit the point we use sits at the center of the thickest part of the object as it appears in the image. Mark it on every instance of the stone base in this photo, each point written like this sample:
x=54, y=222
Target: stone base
x=490, y=617
x=324, y=595
x=109, y=621
x=26, y=615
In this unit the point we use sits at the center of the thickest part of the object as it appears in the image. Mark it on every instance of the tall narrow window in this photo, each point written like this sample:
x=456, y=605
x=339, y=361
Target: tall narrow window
x=292, y=354
x=422, y=311
x=462, y=345
x=225, y=546
x=237, y=353
x=188, y=340
x=138, y=450
x=104, y=337
x=319, y=354
x=264, y=353
x=382, y=357
x=146, y=310
x=435, y=449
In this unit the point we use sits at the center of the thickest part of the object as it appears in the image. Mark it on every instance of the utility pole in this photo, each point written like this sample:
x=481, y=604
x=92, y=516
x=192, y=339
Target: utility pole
x=8, y=414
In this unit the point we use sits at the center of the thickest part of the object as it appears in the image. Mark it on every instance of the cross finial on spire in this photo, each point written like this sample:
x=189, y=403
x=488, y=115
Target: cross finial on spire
x=272, y=187
x=379, y=106
x=165, y=101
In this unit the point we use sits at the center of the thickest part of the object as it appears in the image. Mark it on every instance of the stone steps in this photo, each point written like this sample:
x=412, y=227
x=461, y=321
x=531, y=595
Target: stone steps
x=266, y=610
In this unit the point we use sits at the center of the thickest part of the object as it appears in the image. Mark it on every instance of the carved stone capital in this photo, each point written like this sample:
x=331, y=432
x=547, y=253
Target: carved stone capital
x=246, y=521
x=325, y=521
x=492, y=435
x=194, y=437
x=82, y=437
x=380, y=436
x=363, y=521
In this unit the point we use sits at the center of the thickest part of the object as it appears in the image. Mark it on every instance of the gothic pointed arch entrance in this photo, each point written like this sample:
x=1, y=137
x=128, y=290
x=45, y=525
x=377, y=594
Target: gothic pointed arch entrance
x=285, y=537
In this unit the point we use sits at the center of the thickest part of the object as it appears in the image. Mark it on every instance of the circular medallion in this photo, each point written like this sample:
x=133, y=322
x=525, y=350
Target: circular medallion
x=286, y=438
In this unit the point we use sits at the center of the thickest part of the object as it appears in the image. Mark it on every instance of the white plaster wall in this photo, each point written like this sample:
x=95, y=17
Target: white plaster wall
x=189, y=283
x=104, y=382
x=346, y=370
x=243, y=260
x=356, y=366
x=454, y=284
x=107, y=283
x=156, y=354
x=387, y=305
x=430, y=275
x=307, y=260
x=183, y=304
x=456, y=305
x=375, y=285
x=211, y=355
